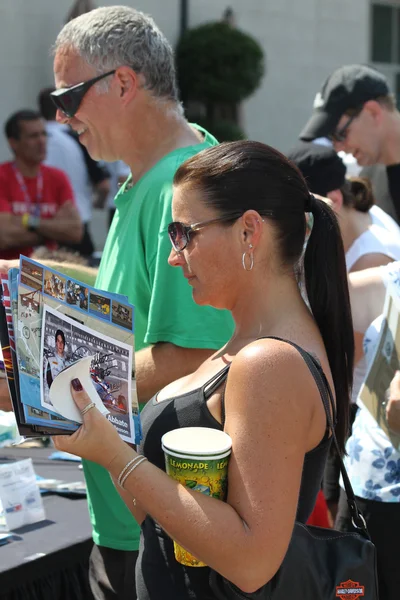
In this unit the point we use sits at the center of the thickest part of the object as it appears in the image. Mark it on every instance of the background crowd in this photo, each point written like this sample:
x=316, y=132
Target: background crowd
x=71, y=153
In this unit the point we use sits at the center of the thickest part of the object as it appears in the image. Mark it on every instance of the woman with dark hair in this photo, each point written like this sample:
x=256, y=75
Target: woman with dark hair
x=238, y=234
x=370, y=236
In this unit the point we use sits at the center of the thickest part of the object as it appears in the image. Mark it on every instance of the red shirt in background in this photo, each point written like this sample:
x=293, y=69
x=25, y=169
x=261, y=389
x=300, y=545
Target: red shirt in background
x=57, y=191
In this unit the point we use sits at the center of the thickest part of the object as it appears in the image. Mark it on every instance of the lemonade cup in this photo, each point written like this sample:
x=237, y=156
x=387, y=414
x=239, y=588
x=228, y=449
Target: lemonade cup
x=198, y=458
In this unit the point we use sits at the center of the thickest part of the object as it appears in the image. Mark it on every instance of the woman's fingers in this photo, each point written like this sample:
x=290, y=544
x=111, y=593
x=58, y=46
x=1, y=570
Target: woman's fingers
x=97, y=439
x=80, y=397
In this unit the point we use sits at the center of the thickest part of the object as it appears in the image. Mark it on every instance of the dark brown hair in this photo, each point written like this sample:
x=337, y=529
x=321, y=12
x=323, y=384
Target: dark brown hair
x=357, y=193
x=239, y=176
x=12, y=128
x=388, y=102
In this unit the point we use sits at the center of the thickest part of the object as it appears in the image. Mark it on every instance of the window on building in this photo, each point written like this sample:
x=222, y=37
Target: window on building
x=382, y=35
x=385, y=40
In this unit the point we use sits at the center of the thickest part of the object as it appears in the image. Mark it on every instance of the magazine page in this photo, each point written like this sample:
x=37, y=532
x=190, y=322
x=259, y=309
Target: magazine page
x=7, y=351
x=65, y=343
x=106, y=315
x=29, y=327
x=384, y=364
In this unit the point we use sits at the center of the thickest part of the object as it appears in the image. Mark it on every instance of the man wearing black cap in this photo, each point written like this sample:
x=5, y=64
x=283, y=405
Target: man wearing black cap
x=357, y=111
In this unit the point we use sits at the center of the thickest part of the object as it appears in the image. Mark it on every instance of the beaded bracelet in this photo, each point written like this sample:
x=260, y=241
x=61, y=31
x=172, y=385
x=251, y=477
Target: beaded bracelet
x=131, y=469
x=126, y=467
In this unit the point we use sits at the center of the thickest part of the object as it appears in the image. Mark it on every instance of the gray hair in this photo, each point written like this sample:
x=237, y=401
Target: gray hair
x=115, y=36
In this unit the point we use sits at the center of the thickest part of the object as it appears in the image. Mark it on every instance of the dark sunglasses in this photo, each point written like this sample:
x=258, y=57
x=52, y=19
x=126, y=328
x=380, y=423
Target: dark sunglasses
x=180, y=234
x=341, y=134
x=68, y=99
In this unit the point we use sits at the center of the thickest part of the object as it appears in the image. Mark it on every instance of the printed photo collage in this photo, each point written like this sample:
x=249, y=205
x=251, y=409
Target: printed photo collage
x=71, y=292
x=59, y=321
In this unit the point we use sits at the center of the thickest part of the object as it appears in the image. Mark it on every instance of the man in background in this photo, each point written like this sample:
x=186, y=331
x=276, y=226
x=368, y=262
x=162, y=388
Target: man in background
x=357, y=111
x=37, y=204
x=90, y=180
x=132, y=113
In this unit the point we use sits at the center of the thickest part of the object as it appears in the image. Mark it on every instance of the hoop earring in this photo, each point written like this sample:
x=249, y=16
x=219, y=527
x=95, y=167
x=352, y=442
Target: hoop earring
x=251, y=260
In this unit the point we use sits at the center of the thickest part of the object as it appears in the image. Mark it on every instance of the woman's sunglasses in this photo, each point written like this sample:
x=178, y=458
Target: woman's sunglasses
x=180, y=234
x=68, y=99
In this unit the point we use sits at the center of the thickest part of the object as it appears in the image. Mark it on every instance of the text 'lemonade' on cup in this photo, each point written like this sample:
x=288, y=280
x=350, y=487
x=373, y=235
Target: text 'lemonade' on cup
x=198, y=458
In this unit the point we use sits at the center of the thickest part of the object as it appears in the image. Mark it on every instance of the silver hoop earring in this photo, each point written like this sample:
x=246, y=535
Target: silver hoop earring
x=251, y=261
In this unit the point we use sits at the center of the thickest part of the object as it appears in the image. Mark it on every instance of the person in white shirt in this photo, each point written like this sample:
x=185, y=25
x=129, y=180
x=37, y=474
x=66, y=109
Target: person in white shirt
x=89, y=180
x=370, y=236
x=373, y=457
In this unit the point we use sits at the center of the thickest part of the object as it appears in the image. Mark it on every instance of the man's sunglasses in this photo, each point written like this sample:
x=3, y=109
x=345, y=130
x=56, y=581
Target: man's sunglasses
x=68, y=99
x=180, y=234
x=341, y=134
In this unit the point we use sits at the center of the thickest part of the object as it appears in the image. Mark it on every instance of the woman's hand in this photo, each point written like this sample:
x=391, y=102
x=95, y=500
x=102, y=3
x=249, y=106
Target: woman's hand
x=393, y=405
x=96, y=440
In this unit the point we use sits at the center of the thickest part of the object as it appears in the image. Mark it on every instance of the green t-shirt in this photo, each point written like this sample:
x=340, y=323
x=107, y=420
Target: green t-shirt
x=134, y=263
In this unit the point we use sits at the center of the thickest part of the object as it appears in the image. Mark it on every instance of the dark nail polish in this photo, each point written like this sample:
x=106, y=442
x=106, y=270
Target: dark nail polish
x=76, y=384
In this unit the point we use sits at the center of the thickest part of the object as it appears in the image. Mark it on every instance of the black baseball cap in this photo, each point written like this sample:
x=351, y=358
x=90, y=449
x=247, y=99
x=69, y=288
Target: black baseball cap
x=322, y=168
x=348, y=87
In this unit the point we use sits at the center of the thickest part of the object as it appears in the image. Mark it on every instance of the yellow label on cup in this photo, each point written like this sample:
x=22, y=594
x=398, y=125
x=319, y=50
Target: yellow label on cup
x=198, y=458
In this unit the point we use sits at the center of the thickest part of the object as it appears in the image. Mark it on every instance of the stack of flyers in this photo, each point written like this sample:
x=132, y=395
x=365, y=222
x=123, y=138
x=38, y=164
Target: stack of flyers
x=50, y=325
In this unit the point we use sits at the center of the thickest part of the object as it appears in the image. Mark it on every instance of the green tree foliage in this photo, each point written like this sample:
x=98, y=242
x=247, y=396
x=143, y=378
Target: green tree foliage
x=217, y=63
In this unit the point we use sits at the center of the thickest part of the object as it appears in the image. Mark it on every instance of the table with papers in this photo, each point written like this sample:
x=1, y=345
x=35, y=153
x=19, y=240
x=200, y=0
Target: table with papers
x=48, y=560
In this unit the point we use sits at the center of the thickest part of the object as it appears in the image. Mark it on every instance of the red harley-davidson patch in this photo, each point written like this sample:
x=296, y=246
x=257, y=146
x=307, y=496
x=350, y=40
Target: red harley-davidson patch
x=349, y=590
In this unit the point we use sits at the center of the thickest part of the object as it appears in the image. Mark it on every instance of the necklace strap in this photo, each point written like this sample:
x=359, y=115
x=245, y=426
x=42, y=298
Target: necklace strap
x=33, y=206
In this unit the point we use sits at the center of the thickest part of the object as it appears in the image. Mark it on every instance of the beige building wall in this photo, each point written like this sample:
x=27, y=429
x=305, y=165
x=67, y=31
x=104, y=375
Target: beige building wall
x=304, y=40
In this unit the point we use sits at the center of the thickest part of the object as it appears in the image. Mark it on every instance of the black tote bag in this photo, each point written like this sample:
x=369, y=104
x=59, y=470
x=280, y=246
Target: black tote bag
x=320, y=564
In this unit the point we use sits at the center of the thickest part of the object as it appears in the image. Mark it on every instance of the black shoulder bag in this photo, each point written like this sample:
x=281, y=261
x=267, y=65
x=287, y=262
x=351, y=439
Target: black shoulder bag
x=320, y=564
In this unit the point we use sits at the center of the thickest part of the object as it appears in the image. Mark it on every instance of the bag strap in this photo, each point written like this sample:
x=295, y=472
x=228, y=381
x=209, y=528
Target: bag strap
x=325, y=392
x=327, y=399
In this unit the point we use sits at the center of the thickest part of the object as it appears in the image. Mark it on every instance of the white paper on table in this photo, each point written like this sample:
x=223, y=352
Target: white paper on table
x=20, y=500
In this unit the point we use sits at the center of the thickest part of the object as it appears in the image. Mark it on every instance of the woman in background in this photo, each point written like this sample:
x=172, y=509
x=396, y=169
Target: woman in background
x=373, y=461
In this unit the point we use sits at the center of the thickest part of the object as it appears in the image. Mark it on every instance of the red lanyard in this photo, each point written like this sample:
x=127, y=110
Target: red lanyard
x=34, y=207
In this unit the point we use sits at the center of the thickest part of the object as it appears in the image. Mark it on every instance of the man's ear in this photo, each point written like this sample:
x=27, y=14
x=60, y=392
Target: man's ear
x=128, y=83
x=336, y=200
x=375, y=110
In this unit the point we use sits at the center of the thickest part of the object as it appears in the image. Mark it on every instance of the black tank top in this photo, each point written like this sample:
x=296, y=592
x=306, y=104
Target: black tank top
x=158, y=575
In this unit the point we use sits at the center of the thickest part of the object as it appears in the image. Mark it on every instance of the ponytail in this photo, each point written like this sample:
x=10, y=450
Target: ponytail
x=328, y=294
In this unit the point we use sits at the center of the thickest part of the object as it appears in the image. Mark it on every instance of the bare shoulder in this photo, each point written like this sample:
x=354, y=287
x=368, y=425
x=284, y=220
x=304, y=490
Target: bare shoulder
x=273, y=368
x=271, y=397
x=267, y=354
x=370, y=261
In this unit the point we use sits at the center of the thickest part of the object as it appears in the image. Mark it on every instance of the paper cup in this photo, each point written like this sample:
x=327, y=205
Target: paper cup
x=198, y=458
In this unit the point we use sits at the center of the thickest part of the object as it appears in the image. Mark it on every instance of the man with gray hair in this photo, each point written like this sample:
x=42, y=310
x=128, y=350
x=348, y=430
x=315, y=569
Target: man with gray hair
x=116, y=87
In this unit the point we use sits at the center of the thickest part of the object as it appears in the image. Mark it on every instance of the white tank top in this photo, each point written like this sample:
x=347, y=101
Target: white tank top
x=376, y=240
x=381, y=218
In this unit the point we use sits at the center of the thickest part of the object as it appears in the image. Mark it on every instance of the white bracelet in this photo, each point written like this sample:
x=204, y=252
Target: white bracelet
x=133, y=467
x=126, y=467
